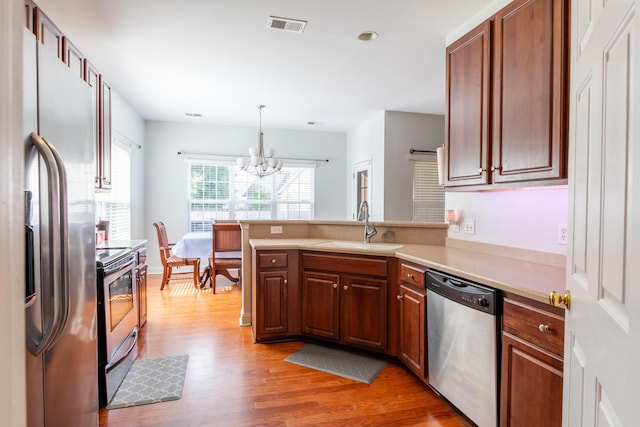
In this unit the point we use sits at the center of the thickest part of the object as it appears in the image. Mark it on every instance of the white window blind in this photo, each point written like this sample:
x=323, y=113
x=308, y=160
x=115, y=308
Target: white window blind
x=115, y=205
x=428, y=196
x=218, y=190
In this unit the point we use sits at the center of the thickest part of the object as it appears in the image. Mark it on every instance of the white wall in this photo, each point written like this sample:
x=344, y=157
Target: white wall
x=404, y=131
x=12, y=330
x=166, y=171
x=524, y=218
x=128, y=126
x=385, y=139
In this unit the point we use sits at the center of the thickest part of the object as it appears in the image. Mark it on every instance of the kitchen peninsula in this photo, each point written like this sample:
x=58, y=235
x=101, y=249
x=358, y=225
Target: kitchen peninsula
x=372, y=297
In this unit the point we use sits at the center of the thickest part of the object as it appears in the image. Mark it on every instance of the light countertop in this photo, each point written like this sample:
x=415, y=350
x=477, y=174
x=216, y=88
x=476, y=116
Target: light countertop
x=528, y=279
x=116, y=244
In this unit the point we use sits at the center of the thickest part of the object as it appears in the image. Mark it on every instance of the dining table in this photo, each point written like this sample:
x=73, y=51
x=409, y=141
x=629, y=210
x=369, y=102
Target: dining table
x=194, y=244
x=198, y=244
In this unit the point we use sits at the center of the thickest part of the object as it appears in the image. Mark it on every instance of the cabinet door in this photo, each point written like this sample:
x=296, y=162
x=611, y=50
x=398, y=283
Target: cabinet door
x=320, y=304
x=73, y=57
x=273, y=304
x=467, y=118
x=91, y=76
x=531, y=385
x=29, y=12
x=364, y=312
x=529, y=82
x=48, y=34
x=413, y=330
x=141, y=277
x=105, y=134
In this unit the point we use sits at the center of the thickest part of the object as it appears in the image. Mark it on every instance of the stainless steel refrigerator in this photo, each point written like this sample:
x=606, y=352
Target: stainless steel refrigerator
x=60, y=297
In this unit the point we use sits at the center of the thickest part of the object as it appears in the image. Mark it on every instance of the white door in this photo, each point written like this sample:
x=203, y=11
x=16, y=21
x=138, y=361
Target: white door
x=602, y=347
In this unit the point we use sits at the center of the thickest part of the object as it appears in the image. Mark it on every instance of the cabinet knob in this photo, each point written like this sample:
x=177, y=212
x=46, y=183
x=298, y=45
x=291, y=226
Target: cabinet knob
x=543, y=328
x=273, y=261
x=496, y=168
x=482, y=170
x=410, y=276
x=345, y=287
x=399, y=297
x=556, y=300
x=285, y=281
x=335, y=286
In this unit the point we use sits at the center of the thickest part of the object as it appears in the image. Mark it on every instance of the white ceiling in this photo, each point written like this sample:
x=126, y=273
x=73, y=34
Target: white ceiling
x=218, y=58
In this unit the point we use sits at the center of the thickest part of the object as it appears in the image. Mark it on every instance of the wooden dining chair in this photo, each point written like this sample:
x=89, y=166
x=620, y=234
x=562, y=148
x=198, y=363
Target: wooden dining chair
x=226, y=246
x=170, y=261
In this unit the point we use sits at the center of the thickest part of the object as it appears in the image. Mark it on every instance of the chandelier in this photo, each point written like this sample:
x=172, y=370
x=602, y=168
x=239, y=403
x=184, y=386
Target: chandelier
x=261, y=162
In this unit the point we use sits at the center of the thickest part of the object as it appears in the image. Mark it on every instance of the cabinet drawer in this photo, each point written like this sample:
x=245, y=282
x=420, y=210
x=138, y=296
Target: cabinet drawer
x=413, y=275
x=366, y=265
x=535, y=325
x=272, y=260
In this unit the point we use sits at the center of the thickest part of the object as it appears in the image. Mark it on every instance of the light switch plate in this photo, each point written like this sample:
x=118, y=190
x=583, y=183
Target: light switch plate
x=469, y=226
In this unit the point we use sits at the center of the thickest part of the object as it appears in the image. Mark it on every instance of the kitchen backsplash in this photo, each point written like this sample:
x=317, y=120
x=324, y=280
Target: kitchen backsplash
x=532, y=218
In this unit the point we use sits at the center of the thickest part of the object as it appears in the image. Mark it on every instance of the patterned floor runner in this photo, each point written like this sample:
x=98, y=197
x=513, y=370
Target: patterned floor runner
x=151, y=381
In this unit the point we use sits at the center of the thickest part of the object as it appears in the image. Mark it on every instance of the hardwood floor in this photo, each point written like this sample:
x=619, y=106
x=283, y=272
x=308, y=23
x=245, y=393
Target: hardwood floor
x=231, y=381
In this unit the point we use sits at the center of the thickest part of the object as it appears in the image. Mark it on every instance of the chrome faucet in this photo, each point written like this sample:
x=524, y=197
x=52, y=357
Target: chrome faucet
x=369, y=231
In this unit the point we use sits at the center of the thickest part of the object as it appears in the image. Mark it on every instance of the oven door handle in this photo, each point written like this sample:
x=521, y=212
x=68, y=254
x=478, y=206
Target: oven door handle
x=121, y=356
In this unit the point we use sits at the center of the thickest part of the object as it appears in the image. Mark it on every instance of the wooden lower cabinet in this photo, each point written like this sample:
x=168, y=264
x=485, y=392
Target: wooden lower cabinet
x=413, y=333
x=412, y=299
x=321, y=305
x=345, y=305
x=273, y=300
x=276, y=301
x=141, y=285
x=532, y=363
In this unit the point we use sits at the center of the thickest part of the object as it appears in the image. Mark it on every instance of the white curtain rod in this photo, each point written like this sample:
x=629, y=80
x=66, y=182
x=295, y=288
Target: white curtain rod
x=231, y=156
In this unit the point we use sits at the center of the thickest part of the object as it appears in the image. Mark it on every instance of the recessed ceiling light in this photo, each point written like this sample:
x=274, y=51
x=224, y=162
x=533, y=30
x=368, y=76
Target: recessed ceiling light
x=367, y=36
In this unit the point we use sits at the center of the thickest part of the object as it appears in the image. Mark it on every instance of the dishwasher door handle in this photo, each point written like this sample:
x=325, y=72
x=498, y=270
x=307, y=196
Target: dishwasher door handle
x=455, y=283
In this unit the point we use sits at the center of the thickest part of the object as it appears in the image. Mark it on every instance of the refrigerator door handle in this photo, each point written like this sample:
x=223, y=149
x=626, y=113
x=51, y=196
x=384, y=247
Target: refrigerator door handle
x=52, y=322
x=65, y=303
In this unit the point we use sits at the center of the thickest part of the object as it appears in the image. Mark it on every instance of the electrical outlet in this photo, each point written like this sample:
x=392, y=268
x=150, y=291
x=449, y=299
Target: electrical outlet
x=455, y=228
x=276, y=229
x=563, y=234
x=469, y=226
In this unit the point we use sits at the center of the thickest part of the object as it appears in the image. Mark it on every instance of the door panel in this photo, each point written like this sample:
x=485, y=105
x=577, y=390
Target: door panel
x=602, y=337
x=320, y=304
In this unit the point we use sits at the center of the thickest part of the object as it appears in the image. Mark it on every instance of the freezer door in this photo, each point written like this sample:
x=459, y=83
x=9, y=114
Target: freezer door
x=64, y=376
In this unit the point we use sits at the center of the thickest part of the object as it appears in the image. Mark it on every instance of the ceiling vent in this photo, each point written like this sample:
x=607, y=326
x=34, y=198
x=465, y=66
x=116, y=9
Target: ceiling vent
x=286, y=24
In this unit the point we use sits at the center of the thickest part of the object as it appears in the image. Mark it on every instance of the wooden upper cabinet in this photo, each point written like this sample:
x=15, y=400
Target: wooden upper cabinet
x=29, y=11
x=507, y=101
x=468, y=97
x=47, y=33
x=92, y=77
x=105, y=134
x=530, y=84
x=73, y=58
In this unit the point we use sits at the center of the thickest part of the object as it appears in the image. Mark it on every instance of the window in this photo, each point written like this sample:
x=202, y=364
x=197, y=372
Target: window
x=219, y=191
x=428, y=196
x=115, y=205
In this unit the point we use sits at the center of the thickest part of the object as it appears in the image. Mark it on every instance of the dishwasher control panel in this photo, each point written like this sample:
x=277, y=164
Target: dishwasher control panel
x=462, y=291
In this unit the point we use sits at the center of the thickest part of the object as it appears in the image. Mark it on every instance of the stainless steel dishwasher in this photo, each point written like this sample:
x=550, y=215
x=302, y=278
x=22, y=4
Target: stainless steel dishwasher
x=462, y=337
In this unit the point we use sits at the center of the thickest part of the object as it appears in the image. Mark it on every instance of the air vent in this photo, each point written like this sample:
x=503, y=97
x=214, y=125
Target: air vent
x=286, y=24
